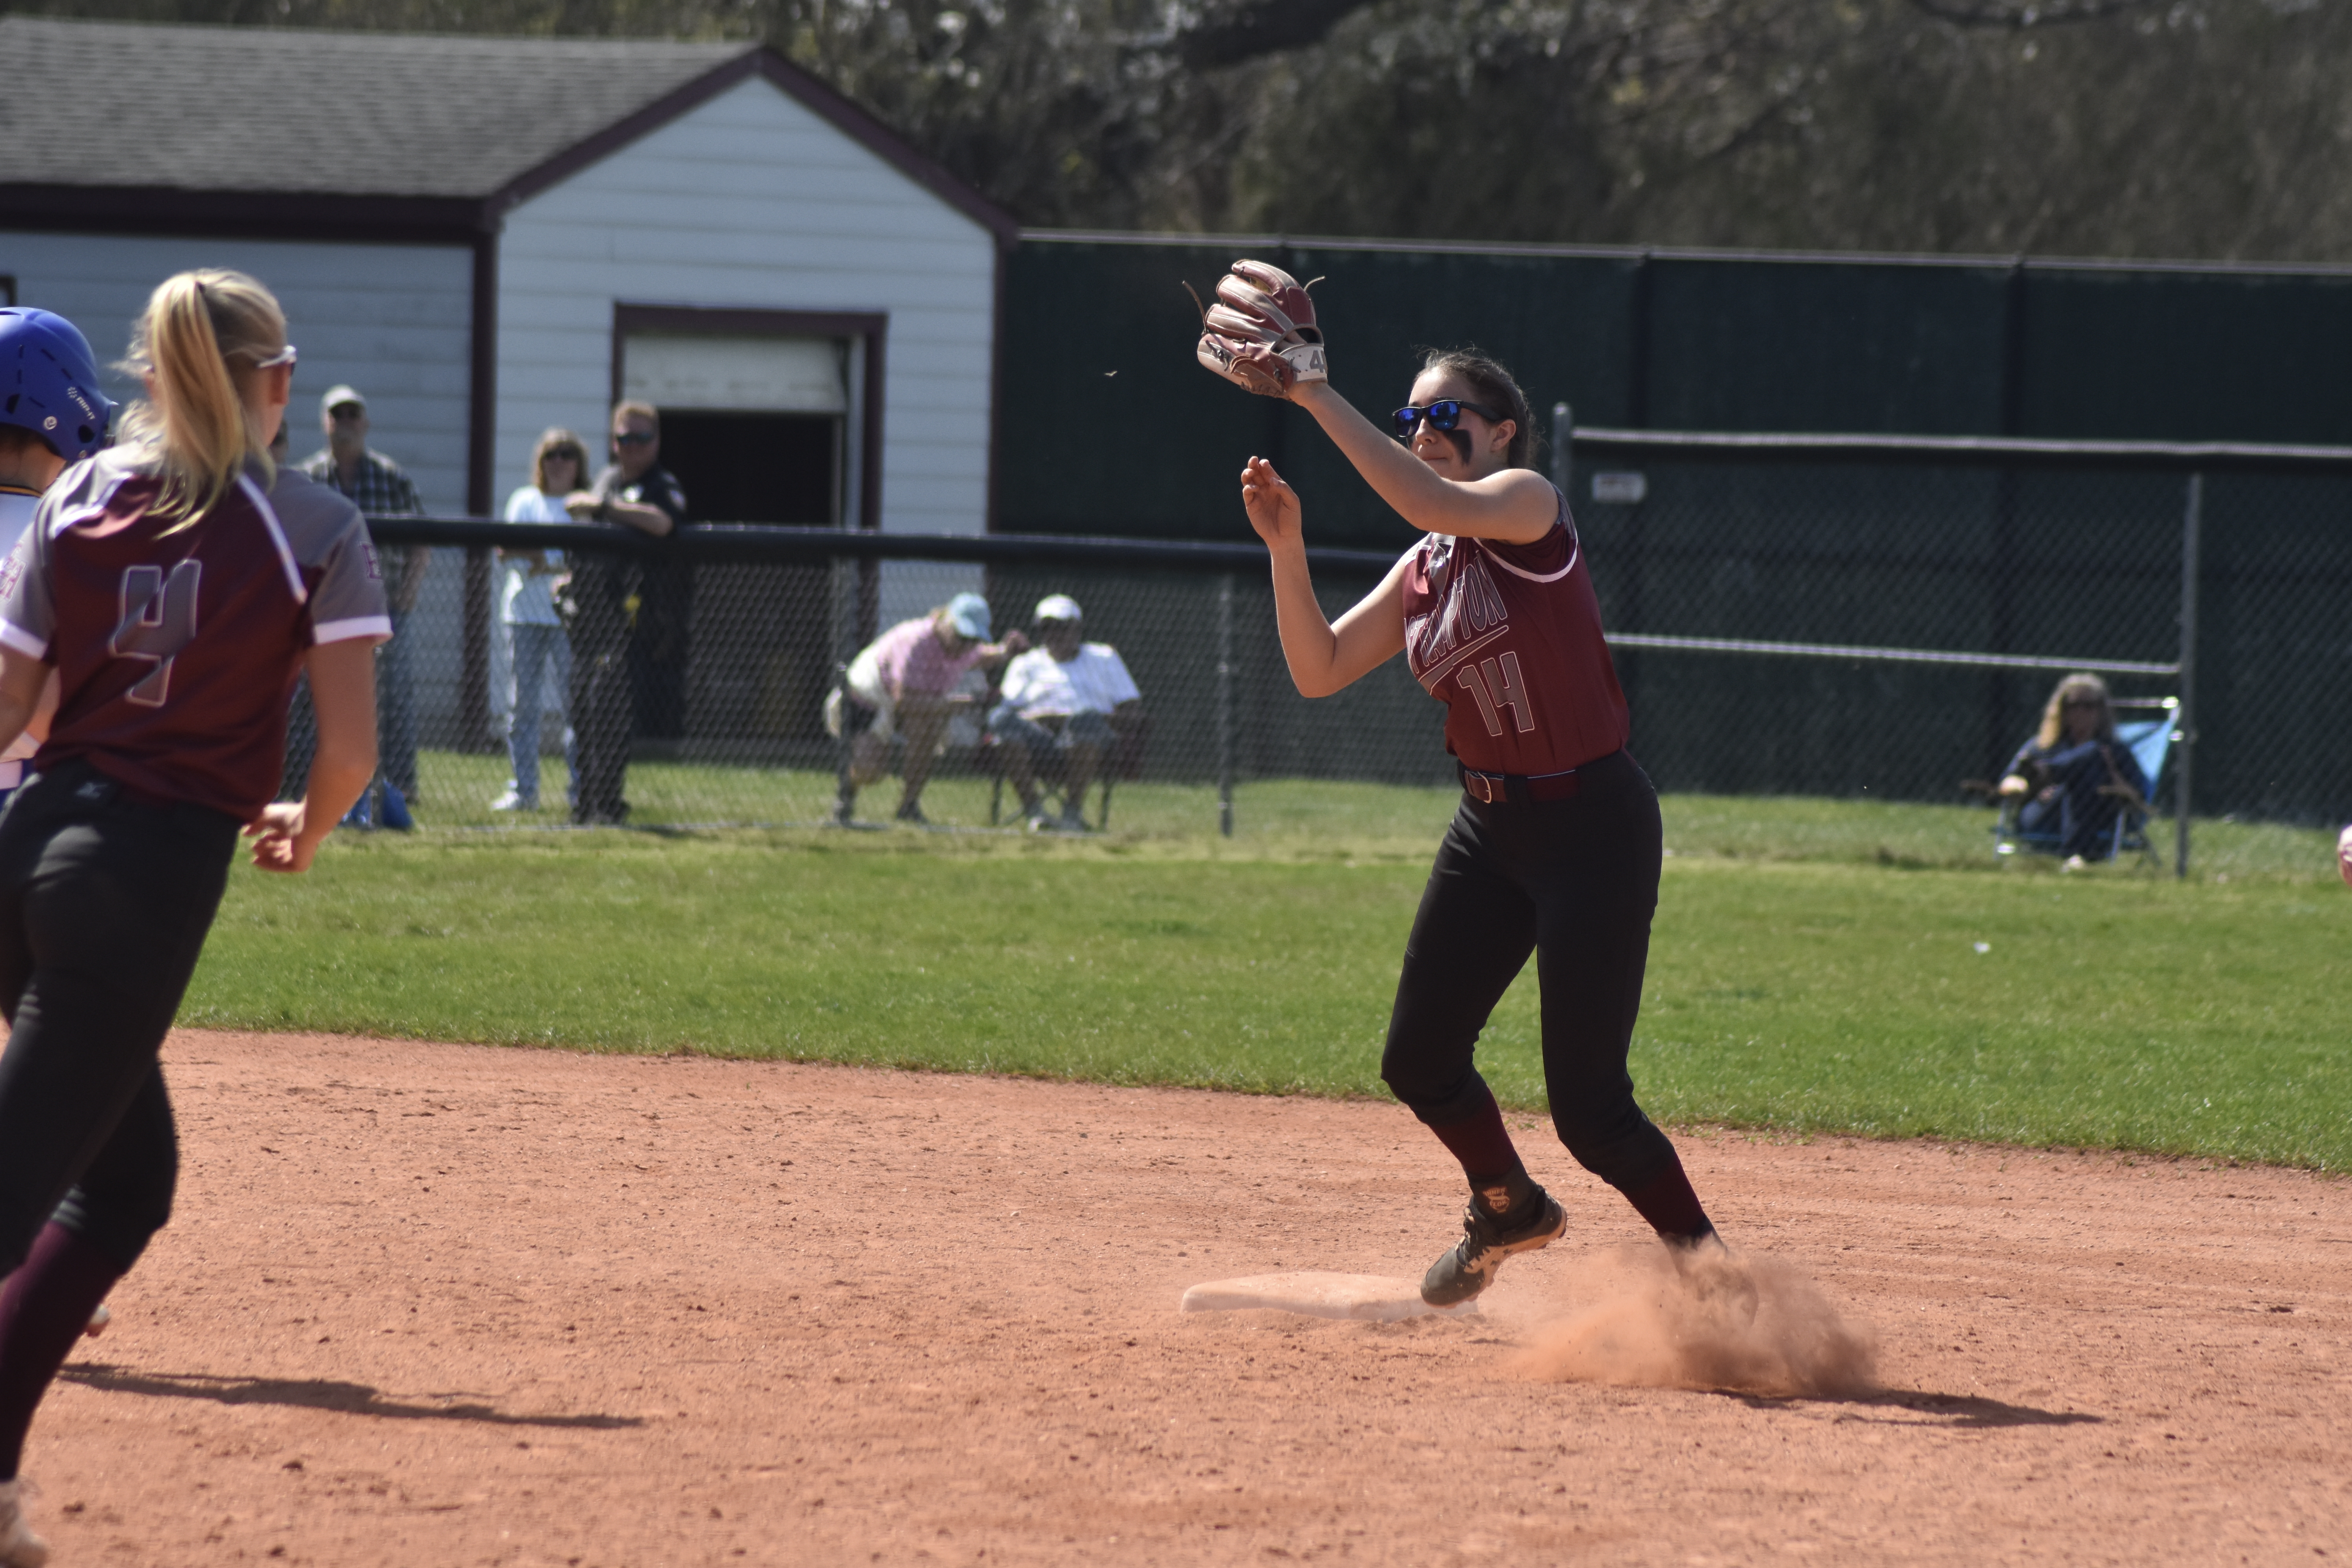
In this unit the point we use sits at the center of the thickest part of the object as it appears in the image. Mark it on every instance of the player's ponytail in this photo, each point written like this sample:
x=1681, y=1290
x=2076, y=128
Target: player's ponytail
x=1495, y=389
x=196, y=346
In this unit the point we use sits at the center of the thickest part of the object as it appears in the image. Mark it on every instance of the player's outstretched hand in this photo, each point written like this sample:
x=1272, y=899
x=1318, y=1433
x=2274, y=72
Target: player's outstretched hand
x=2343, y=855
x=278, y=842
x=1272, y=505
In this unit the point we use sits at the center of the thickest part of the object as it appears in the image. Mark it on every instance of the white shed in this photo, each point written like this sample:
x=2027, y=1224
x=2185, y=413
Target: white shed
x=491, y=236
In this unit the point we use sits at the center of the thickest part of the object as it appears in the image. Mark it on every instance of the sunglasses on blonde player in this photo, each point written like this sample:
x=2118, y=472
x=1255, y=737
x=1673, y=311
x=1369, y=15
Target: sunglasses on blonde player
x=1442, y=414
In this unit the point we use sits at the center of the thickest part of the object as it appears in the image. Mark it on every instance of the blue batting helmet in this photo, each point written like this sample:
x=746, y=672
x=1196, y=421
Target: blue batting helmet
x=49, y=381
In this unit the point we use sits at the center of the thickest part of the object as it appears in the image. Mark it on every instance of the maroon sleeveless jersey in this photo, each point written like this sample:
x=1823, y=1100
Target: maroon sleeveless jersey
x=177, y=647
x=1508, y=637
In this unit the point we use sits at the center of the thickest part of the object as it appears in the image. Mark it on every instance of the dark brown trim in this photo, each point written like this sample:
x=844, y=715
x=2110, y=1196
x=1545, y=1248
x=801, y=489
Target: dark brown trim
x=735, y=321
x=796, y=83
x=1004, y=263
x=869, y=499
x=730, y=322
x=248, y=215
x=482, y=389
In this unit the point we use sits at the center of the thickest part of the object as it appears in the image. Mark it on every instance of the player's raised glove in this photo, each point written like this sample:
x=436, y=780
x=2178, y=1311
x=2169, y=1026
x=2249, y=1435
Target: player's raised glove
x=1261, y=333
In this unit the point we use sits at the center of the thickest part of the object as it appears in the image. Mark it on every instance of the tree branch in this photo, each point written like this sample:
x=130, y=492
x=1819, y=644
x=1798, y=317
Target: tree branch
x=2016, y=18
x=1230, y=34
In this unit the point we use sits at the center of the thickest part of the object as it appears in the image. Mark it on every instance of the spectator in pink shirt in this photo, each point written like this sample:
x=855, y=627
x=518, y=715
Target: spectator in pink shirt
x=906, y=681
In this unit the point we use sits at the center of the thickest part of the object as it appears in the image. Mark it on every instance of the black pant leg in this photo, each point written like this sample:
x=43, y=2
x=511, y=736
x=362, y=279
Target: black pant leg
x=1470, y=939
x=125, y=1195
x=1595, y=886
x=103, y=913
x=604, y=713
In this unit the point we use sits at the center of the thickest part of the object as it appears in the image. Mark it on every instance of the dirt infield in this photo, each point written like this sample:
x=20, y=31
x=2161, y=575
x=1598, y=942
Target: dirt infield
x=434, y=1304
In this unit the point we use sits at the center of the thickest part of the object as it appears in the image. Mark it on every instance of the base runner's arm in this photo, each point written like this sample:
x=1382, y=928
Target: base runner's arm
x=22, y=678
x=45, y=710
x=342, y=692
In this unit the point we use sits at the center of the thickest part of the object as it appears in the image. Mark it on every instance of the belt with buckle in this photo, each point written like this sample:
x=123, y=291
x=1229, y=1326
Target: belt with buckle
x=1497, y=788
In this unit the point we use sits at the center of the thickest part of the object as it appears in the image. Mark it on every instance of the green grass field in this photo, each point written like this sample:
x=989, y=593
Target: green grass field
x=1817, y=966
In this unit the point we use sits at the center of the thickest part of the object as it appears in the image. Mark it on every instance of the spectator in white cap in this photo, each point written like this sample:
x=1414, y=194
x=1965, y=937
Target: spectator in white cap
x=373, y=483
x=905, y=682
x=1069, y=700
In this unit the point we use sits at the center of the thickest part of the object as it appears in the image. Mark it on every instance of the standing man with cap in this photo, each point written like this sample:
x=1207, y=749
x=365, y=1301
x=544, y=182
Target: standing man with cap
x=375, y=484
x=906, y=679
x=605, y=595
x=1070, y=698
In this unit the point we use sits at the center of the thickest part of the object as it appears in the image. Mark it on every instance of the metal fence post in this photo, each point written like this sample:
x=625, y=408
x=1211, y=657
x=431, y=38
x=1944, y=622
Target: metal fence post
x=841, y=583
x=2192, y=529
x=1563, y=421
x=473, y=705
x=1225, y=704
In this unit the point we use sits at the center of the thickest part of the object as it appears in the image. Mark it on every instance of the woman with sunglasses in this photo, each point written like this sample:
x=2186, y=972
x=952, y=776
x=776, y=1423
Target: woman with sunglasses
x=1555, y=849
x=2074, y=777
x=175, y=584
x=527, y=609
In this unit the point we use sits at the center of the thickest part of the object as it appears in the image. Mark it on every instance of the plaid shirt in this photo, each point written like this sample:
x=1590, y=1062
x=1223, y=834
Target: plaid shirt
x=378, y=489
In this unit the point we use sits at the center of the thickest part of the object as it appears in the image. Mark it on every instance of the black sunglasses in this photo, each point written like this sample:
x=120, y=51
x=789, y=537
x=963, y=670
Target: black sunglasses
x=634, y=438
x=1442, y=414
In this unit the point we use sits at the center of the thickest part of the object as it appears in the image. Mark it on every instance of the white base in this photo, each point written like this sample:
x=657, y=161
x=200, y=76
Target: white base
x=1366, y=1297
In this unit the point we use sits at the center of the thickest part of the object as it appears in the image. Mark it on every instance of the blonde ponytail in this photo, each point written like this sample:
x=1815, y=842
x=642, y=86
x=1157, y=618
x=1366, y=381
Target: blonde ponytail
x=196, y=346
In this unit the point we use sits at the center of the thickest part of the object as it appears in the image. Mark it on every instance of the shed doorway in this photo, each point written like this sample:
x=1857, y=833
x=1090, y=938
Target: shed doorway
x=729, y=663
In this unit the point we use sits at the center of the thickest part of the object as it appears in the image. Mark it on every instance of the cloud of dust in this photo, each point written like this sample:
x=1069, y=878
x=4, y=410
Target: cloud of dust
x=1675, y=1318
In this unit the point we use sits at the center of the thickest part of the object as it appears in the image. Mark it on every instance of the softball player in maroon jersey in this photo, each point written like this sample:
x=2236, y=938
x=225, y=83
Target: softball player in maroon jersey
x=1555, y=846
x=176, y=584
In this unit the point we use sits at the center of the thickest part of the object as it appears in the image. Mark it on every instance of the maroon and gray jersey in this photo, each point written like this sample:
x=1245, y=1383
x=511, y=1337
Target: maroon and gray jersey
x=1509, y=636
x=177, y=645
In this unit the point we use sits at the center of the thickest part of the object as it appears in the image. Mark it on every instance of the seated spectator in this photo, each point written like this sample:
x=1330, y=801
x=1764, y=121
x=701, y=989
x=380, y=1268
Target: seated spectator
x=906, y=681
x=2074, y=777
x=1069, y=699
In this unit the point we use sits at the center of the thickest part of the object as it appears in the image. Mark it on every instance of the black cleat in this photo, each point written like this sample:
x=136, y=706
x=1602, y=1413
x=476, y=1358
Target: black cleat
x=1471, y=1266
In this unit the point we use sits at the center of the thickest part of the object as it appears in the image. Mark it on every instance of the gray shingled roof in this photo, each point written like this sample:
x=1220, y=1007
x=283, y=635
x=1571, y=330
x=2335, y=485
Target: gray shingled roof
x=252, y=109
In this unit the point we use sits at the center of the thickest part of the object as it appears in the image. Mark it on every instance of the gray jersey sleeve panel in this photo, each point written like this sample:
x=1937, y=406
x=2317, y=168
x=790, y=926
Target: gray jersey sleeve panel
x=27, y=612
x=330, y=544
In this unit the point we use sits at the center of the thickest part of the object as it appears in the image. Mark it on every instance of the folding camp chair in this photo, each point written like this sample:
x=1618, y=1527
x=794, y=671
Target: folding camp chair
x=1125, y=760
x=2148, y=740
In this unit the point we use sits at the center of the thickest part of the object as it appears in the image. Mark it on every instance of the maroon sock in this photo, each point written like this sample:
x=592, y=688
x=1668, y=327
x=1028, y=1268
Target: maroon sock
x=44, y=1307
x=1484, y=1146
x=1667, y=1201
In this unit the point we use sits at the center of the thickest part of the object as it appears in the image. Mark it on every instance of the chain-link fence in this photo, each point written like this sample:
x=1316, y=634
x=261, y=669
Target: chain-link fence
x=690, y=679
x=1791, y=616
x=2214, y=577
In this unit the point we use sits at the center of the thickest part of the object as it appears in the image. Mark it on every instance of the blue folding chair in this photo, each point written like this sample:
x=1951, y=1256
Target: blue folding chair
x=2148, y=740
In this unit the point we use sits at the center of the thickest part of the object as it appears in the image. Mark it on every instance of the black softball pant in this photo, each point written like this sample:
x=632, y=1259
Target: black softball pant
x=104, y=905
x=1576, y=882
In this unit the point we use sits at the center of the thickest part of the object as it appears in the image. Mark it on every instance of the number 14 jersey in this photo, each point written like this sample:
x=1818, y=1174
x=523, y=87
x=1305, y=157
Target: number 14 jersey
x=1508, y=637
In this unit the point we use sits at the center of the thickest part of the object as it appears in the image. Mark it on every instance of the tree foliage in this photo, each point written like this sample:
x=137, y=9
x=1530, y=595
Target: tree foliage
x=2140, y=127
